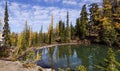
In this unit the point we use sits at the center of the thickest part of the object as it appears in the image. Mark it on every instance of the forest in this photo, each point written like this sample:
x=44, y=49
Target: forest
x=100, y=25
x=97, y=25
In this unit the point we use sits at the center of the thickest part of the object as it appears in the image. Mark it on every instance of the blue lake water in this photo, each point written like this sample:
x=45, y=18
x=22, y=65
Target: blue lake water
x=73, y=55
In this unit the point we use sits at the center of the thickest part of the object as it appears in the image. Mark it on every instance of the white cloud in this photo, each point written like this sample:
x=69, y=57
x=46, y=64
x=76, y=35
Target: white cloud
x=39, y=15
x=91, y=1
x=36, y=16
x=71, y=2
x=51, y=0
x=80, y=2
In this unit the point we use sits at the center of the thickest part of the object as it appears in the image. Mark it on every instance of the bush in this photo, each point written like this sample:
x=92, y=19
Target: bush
x=3, y=52
x=81, y=68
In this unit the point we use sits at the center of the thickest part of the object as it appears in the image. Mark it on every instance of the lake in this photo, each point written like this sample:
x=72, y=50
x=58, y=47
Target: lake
x=72, y=56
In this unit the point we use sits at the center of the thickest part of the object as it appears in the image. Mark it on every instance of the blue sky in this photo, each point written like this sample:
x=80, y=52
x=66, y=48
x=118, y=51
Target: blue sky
x=38, y=12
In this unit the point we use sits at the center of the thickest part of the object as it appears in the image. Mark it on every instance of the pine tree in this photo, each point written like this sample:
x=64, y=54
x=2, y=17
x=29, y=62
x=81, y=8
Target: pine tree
x=67, y=27
x=19, y=43
x=83, y=22
x=41, y=35
x=107, y=9
x=44, y=38
x=31, y=37
x=35, y=39
x=14, y=39
x=25, y=37
x=57, y=31
x=77, y=28
x=116, y=14
x=110, y=63
x=107, y=33
x=62, y=31
x=6, y=29
x=71, y=31
x=50, y=31
x=60, y=28
x=94, y=18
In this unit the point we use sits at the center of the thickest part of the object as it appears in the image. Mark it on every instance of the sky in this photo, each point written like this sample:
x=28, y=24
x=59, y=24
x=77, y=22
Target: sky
x=38, y=12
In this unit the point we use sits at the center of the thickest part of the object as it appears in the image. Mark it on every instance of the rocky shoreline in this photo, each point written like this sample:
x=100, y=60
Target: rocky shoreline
x=19, y=66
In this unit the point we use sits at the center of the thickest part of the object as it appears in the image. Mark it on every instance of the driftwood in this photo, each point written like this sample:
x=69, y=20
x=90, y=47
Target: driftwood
x=25, y=52
x=47, y=46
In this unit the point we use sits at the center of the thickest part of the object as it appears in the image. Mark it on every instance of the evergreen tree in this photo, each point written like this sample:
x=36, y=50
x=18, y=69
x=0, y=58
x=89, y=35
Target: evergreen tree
x=31, y=35
x=116, y=14
x=6, y=29
x=71, y=31
x=50, y=31
x=25, y=37
x=67, y=27
x=41, y=35
x=110, y=63
x=44, y=38
x=62, y=31
x=35, y=39
x=77, y=26
x=0, y=25
x=19, y=43
x=83, y=22
x=94, y=18
x=107, y=33
x=57, y=31
x=60, y=28
x=14, y=39
x=107, y=12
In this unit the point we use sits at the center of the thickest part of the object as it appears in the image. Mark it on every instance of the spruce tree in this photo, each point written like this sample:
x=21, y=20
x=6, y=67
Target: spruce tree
x=116, y=14
x=41, y=35
x=83, y=23
x=6, y=29
x=25, y=37
x=62, y=31
x=107, y=9
x=31, y=37
x=36, y=39
x=94, y=18
x=44, y=38
x=110, y=63
x=60, y=27
x=71, y=31
x=77, y=28
x=50, y=31
x=13, y=38
x=107, y=33
x=67, y=27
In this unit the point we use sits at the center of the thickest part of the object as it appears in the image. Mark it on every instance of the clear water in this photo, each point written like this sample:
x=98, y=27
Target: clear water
x=72, y=56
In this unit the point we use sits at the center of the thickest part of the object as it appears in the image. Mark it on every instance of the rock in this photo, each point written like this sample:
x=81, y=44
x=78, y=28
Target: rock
x=18, y=66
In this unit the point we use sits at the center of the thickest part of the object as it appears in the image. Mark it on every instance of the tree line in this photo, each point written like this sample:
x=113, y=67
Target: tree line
x=98, y=25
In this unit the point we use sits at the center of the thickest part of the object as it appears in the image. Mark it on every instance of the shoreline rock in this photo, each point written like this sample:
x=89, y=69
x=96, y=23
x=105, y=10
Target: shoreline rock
x=18, y=66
